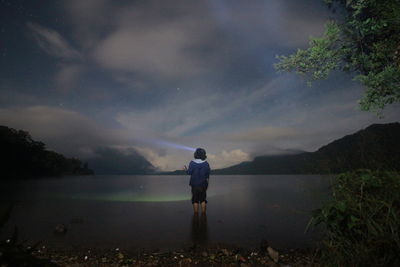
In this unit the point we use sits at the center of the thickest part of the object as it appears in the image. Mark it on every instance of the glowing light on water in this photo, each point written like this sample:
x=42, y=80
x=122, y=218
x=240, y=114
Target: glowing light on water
x=128, y=197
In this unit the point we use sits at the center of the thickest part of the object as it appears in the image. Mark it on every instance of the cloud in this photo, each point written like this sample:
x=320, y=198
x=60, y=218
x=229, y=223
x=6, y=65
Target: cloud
x=60, y=129
x=160, y=162
x=228, y=158
x=192, y=112
x=52, y=42
x=263, y=134
x=147, y=44
x=271, y=23
x=68, y=76
x=90, y=19
x=160, y=49
x=294, y=28
x=11, y=96
x=160, y=52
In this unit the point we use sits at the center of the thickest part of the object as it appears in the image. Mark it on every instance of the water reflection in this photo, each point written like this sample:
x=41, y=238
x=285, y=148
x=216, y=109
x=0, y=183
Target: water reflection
x=199, y=231
x=274, y=207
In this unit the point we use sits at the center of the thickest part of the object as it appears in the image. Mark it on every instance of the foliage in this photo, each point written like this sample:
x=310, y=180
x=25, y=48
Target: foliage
x=365, y=42
x=362, y=221
x=21, y=156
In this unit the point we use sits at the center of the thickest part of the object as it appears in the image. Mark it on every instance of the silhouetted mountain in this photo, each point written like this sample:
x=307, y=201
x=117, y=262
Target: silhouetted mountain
x=376, y=147
x=22, y=157
x=113, y=161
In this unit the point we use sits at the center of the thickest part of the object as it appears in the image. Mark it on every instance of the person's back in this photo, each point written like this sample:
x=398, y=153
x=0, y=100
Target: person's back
x=199, y=171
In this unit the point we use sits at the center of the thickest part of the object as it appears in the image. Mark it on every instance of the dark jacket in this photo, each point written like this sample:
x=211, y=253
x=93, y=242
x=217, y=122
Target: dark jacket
x=199, y=173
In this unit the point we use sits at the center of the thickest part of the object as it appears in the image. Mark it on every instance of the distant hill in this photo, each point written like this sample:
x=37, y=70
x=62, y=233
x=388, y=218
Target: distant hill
x=376, y=147
x=22, y=157
x=113, y=161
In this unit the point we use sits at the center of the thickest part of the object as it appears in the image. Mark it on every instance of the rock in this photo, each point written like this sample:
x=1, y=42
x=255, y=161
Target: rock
x=60, y=229
x=239, y=257
x=273, y=254
x=185, y=262
x=226, y=252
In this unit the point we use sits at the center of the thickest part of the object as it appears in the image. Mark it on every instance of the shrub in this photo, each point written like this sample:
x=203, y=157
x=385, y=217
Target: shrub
x=362, y=221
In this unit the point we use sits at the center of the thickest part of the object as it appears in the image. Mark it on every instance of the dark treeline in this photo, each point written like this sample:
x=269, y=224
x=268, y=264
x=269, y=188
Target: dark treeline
x=23, y=157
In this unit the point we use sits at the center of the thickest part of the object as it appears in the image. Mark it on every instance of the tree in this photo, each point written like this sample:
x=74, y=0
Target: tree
x=365, y=41
x=23, y=157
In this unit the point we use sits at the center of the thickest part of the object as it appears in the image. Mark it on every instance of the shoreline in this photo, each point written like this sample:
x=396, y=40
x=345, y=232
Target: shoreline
x=195, y=255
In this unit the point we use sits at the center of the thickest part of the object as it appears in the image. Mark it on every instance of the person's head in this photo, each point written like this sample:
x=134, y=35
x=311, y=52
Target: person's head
x=200, y=153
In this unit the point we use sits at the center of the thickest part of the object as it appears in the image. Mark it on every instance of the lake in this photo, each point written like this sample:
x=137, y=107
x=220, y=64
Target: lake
x=147, y=212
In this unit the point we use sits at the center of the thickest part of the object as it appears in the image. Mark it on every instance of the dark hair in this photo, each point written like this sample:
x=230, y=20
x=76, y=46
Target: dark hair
x=200, y=153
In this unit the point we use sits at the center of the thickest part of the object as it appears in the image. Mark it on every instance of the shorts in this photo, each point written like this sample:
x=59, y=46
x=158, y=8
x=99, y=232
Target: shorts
x=199, y=194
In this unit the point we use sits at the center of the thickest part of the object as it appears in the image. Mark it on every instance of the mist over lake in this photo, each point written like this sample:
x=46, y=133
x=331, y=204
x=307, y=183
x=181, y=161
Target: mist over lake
x=134, y=212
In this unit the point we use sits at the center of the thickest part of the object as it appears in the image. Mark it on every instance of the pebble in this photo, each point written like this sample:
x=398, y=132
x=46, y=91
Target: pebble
x=60, y=229
x=240, y=258
x=273, y=254
x=226, y=252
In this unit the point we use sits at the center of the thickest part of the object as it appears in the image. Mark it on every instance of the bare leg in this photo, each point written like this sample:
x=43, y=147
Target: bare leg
x=196, y=207
x=203, y=207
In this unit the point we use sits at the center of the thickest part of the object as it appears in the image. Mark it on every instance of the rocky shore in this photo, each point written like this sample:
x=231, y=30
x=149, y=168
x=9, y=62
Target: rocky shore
x=219, y=255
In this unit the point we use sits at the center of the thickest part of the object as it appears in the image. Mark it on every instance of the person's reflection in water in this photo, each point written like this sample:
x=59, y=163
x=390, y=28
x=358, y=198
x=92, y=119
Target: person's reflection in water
x=199, y=229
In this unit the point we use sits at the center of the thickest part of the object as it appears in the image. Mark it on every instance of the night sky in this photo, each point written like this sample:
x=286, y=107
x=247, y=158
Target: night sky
x=129, y=76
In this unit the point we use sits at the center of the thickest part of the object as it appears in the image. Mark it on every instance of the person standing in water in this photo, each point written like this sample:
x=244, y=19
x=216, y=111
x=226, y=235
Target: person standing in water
x=199, y=171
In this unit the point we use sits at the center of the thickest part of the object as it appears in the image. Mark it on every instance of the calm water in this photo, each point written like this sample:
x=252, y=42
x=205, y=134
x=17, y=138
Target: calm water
x=135, y=212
